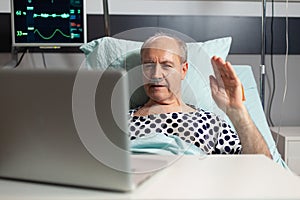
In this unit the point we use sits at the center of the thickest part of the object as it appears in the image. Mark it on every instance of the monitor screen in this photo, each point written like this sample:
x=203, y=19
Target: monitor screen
x=48, y=23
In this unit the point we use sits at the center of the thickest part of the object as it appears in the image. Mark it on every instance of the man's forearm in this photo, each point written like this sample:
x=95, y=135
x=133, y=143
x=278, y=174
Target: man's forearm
x=251, y=139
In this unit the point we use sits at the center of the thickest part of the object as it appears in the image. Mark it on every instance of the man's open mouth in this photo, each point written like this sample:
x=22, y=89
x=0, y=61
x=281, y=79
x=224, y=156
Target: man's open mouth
x=157, y=86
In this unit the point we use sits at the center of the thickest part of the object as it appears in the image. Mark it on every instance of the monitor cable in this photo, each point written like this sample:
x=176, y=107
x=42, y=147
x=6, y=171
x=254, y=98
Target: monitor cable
x=273, y=86
x=20, y=60
x=285, y=70
x=44, y=60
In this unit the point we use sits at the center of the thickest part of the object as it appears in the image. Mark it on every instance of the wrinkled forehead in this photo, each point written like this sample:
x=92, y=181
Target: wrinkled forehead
x=165, y=44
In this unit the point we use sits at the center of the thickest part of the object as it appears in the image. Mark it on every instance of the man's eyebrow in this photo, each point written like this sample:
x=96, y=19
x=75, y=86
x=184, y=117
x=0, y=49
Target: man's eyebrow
x=153, y=61
x=167, y=62
x=148, y=60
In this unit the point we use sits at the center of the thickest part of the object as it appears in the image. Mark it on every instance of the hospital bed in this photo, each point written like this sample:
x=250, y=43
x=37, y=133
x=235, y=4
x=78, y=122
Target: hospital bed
x=110, y=52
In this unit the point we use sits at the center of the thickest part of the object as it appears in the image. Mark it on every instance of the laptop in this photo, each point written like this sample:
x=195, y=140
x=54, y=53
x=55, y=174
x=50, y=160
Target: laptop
x=69, y=127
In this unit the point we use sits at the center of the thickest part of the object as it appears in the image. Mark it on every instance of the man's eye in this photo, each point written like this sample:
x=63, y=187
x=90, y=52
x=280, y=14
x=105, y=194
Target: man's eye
x=166, y=66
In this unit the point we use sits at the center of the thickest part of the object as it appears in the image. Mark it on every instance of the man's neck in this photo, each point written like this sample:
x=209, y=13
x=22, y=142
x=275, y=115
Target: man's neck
x=152, y=107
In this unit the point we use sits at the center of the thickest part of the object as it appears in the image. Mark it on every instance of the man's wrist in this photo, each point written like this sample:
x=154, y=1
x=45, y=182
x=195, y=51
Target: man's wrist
x=239, y=116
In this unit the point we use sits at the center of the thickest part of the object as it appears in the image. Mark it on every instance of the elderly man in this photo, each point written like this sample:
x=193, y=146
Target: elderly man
x=164, y=60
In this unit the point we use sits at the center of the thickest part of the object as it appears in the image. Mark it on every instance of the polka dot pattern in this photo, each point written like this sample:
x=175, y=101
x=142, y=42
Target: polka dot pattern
x=201, y=128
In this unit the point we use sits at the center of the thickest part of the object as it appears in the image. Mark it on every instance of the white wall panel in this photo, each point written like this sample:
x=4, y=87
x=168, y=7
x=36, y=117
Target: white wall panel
x=183, y=7
x=226, y=8
x=4, y=6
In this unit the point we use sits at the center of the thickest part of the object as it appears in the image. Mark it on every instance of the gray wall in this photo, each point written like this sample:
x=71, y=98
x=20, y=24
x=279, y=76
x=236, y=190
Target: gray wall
x=246, y=11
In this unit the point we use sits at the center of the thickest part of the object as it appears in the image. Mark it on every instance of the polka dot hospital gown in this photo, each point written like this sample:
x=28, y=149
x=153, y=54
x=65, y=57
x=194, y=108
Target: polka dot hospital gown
x=203, y=129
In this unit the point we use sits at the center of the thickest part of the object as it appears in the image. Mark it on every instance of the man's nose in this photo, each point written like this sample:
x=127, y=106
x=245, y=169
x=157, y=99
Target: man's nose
x=157, y=72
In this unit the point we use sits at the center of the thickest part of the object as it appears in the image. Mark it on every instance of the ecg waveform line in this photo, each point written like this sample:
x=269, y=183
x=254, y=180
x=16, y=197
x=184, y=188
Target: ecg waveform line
x=46, y=15
x=52, y=35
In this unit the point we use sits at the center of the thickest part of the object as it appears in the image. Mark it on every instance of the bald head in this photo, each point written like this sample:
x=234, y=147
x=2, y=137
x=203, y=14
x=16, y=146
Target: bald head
x=166, y=43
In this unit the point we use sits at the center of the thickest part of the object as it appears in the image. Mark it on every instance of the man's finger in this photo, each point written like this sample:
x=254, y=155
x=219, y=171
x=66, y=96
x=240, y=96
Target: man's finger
x=216, y=62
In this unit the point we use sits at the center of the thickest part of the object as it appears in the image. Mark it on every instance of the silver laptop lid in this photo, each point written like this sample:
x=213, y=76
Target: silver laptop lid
x=59, y=127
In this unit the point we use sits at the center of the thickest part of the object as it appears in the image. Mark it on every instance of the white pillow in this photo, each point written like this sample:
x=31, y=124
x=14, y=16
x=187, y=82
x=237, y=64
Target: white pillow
x=117, y=53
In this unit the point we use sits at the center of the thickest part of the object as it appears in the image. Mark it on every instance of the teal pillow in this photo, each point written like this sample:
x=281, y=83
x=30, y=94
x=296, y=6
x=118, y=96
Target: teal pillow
x=118, y=53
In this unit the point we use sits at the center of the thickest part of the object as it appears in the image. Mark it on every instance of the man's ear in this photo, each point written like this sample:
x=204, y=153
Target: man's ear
x=184, y=69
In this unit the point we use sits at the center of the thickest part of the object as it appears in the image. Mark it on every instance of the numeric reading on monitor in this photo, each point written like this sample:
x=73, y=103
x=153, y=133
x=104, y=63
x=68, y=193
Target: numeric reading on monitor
x=48, y=22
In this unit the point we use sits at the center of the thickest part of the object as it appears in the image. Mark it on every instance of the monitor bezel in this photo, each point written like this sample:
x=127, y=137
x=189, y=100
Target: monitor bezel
x=47, y=45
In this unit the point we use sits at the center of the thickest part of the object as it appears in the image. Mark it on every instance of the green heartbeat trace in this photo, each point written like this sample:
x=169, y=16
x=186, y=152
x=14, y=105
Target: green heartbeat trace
x=46, y=15
x=51, y=36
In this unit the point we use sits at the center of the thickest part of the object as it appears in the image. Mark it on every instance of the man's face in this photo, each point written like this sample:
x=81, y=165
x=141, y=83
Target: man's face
x=162, y=75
